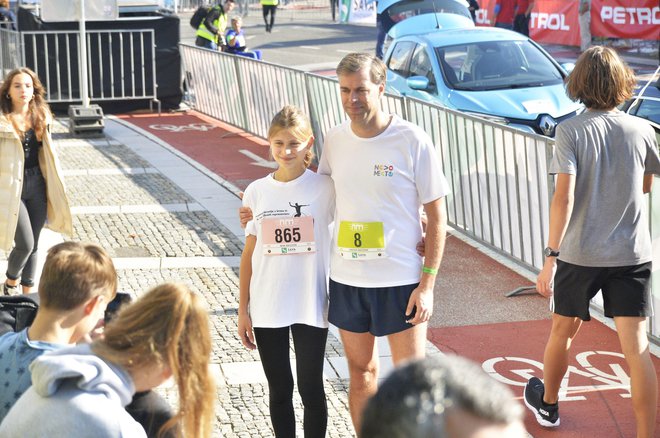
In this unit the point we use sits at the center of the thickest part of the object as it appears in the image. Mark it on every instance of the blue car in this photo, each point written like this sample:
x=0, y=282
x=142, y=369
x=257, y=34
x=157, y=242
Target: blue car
x=489, y=72
x=646, y=102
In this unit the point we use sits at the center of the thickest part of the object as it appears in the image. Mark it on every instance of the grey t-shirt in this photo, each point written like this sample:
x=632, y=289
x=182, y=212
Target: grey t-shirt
x=609, y=153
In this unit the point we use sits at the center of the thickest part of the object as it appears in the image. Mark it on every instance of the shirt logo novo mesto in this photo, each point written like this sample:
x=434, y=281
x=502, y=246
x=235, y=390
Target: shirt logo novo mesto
x=383, y=170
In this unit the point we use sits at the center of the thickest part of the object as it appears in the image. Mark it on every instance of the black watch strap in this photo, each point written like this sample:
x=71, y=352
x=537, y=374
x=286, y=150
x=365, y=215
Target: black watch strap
x=549, y=252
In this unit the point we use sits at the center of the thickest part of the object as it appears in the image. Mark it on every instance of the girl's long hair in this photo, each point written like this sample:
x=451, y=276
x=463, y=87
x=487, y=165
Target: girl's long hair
x=38, y=110
x=169, y=326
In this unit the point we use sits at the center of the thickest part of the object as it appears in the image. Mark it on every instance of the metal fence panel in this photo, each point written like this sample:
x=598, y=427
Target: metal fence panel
x=124, y=66
x=266, y=88
x=212, y=85
x=497, y=180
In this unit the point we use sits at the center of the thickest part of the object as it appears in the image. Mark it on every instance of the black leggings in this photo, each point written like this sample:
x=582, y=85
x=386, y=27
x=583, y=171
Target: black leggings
x=309, y=344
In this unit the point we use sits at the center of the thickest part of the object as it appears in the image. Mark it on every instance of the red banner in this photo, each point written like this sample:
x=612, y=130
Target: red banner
x=551, y=21
x=556, y=21
x=638, y=19
x=485, y=13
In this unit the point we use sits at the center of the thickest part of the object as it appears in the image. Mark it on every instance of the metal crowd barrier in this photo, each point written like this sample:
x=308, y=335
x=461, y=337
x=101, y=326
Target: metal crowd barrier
x=500, y=189
x=498, y=178
x=124, y=66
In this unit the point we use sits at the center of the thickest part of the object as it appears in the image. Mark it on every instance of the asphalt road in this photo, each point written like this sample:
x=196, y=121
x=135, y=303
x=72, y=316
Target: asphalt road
x=306, y=44
x=315, y=43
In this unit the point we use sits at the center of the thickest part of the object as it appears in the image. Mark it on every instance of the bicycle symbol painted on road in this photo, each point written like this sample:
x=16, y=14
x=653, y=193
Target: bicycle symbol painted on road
x=516, y=371
x=182, y=128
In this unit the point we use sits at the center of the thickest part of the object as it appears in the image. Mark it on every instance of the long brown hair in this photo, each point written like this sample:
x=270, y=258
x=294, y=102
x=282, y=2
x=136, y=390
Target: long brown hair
x=600, y=79
x=38, y=110
x=168, y=326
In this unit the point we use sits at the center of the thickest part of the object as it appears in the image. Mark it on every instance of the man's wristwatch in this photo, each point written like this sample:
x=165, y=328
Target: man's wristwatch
x=549, y=252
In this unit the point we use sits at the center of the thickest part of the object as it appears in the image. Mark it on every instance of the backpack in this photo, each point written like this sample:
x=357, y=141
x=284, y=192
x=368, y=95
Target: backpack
x=17, y=312
x=199, y=16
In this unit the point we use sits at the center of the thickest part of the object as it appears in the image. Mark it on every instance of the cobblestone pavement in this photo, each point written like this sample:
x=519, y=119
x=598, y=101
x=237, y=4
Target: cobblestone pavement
x=158, y=231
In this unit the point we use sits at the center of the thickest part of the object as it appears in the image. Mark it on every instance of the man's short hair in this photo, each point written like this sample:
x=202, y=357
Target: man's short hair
x=415, y=400
x=355, y=62
x=600, y=79
x=74, y=273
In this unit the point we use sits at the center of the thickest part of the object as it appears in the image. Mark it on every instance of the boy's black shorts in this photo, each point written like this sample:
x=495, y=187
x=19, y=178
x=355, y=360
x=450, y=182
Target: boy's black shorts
x=626, y=290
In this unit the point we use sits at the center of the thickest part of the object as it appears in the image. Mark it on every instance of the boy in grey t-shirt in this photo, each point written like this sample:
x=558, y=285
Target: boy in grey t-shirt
x=598, y=236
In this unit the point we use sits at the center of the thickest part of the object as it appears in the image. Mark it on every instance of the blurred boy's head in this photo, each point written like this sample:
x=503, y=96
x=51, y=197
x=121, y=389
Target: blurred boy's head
x=442, y=397
x=78, y=280
x=75, y=272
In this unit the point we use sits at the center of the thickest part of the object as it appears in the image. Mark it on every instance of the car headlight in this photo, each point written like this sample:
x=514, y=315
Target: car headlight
x=490, y=118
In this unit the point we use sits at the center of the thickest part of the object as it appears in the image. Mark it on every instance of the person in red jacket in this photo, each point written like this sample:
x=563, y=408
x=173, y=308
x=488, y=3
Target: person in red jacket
x=504, y=13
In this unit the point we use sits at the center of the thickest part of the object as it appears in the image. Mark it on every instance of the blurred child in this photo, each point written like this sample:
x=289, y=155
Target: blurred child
x=236, y=41
x=77, y=283
x=81, y=391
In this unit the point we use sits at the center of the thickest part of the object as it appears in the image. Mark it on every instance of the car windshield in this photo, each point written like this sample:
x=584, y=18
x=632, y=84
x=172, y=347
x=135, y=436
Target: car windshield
x=495, y=65
x=399, y=11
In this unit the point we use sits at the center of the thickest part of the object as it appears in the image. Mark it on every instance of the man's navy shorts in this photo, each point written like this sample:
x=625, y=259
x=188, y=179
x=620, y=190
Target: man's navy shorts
x=380, y=311
x=626, y=290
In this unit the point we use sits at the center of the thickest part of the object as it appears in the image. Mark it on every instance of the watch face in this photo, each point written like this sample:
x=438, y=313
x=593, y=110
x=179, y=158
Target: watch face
x=549, y=252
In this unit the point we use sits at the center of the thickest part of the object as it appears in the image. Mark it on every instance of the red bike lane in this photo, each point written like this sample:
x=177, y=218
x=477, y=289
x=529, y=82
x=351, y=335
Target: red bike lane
x=472, y=317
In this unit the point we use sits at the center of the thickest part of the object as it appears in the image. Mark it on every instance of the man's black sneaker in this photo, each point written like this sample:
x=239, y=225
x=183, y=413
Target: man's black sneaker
x=546, y=415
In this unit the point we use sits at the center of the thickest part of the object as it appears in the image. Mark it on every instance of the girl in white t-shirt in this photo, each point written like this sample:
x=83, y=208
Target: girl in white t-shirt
x=284, y=271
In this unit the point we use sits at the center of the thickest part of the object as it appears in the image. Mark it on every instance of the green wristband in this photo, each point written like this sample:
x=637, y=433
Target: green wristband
x=432, y=271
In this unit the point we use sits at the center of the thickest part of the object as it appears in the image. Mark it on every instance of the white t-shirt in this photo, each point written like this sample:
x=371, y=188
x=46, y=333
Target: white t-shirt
x=290, y=289
x=382, y=179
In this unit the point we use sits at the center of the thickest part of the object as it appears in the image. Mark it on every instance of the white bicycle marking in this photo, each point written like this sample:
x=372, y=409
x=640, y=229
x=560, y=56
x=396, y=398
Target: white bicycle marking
x=182, y=128
x=527, y=368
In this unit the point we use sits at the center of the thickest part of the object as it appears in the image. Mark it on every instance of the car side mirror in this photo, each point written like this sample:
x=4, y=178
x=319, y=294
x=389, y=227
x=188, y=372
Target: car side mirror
x=418, y=83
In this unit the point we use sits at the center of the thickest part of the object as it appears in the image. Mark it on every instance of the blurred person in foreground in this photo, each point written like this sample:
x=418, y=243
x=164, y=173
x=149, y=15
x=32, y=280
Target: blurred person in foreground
x=442, y=397
x=81, y=391
x=598, y=239
x=77, y=283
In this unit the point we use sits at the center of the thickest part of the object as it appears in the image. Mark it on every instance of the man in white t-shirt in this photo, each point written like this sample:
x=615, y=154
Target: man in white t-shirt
x=384, y=170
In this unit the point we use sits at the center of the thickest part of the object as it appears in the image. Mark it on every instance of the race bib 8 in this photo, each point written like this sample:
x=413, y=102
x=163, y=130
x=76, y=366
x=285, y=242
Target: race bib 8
x=288, y=235
x=361, y=240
